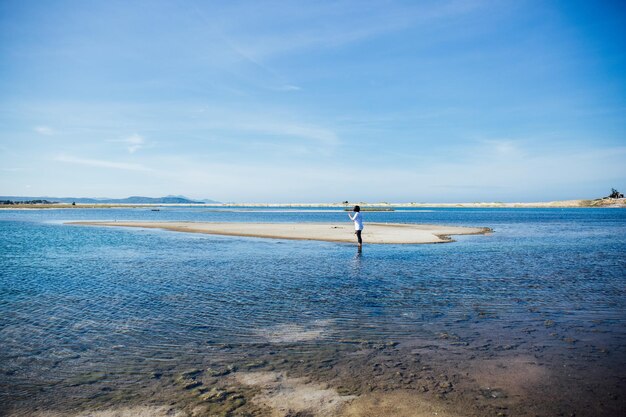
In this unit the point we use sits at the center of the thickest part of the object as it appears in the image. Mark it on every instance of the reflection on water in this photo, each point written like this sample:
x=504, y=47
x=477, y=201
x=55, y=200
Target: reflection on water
x=94, y=316
x=357, y=261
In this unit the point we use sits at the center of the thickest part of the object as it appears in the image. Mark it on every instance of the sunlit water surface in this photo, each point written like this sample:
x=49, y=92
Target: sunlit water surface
x=75, y=298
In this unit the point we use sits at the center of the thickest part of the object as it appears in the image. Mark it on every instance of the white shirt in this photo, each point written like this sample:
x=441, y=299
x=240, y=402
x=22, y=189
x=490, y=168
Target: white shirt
x=358, y=220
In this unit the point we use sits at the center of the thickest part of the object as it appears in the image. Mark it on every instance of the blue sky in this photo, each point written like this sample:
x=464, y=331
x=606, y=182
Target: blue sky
x=425, y=101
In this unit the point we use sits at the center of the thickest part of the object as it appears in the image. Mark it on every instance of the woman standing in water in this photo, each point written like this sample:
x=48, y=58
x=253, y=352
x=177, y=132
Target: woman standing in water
x=358, y=224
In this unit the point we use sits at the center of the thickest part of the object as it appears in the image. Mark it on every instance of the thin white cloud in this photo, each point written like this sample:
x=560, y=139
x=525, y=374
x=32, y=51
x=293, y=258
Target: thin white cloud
x=97, y=163
x=44, y=130
x=304, y=131
x=506, y=173
x=133, y=142
x=503, y=148
x=372, y=20
x=267, y=124
x=289, y=87
x=239, y=52
x=314, y=25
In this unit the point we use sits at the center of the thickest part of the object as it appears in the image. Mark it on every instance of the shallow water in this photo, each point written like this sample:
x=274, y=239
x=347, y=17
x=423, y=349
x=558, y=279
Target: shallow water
x=87, y=308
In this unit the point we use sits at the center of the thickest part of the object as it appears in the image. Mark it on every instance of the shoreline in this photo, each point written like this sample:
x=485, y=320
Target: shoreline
x=373, y=233
x=597, y=203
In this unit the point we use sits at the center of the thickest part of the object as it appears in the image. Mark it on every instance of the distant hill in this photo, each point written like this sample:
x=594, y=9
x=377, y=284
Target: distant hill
x=170, y=199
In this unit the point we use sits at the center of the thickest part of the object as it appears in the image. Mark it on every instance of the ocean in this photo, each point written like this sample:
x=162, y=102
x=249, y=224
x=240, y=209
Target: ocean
x=94, y=317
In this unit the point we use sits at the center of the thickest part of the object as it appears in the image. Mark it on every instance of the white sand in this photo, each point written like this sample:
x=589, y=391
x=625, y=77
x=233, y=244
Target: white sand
x=383, y=233
x=286, y=396
x=293, y=396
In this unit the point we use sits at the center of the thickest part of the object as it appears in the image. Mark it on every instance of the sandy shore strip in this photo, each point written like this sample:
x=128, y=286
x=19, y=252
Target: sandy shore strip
x=597, y=203
x=379, y=233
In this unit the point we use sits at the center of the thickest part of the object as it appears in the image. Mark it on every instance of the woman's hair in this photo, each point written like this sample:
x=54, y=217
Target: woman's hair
x=356, y=208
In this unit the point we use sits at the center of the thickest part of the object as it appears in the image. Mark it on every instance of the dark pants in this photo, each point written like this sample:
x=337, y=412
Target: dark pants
x=358, y=236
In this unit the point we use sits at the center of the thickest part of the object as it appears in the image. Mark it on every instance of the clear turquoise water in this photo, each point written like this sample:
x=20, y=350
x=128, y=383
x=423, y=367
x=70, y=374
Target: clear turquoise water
x=71, y=296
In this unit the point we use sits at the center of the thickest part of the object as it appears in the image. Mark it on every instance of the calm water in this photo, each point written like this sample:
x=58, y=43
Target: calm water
x=74, y=298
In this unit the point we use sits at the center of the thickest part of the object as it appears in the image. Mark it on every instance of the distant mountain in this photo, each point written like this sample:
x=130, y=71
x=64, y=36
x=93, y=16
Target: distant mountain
x=170, y=199
x=205, y=201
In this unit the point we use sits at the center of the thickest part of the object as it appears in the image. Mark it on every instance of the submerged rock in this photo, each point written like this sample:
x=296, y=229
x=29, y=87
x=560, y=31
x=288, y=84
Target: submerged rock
x=188, y=382
x=255, y=364
x=87, y=378
x=221, y=371
x=192, y=373
x=492, y=393
x=214, y=395
x=445, y=385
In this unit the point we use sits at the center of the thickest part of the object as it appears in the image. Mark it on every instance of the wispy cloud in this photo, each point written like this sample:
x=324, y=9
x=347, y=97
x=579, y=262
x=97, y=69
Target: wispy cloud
x=317, y=25
x=97, y=163
x=133, y=142
x=252, y=38
x=44, y=130
x=508, y=171
x=275, y=76
x=289, y=87
x=252, y=124
x=304, y=131
x=503, y=148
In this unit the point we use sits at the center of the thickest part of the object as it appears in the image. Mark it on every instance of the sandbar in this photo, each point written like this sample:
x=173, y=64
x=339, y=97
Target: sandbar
x=377, y=233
